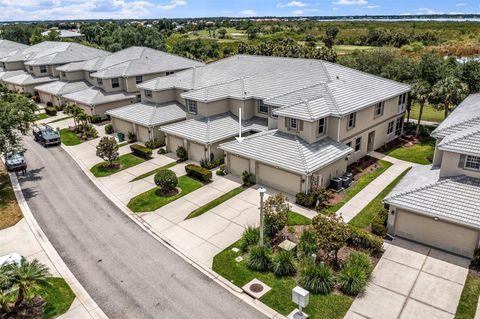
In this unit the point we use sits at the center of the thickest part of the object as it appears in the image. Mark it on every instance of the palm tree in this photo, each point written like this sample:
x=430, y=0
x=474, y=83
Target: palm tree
x=421, y=93
x=448, y=92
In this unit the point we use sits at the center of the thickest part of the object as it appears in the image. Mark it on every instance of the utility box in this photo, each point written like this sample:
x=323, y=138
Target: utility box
x=300, y=296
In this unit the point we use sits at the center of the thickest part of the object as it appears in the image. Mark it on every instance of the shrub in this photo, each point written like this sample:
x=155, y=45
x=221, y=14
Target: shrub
x=359, y=259
x=155, y=143
x=95, y=119
x=132, y=137
x=107, y=149
x=162, y=151
x=219, y=172
x=36, y=99
x=476, y=258
x=51, y=111
x=181, y=153
x=250, y=237
x=283, y=263
x=109, y=129
x=360, y=238
x=90, y=131
x=259, y=259
x=352, y=279
x=331, y=233
x=317, y=279
x=247, y=178
x=379, y=223
x=166, y=179
x=306, y=200
x=307, y=244
x=49, y=104
x=198, y=172
x=276, y=209
x=141, y=151
x=211, y=164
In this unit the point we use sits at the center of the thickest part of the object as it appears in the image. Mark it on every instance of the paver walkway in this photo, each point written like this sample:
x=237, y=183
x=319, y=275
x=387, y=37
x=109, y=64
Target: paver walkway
x=366, y=195
x=412, y=281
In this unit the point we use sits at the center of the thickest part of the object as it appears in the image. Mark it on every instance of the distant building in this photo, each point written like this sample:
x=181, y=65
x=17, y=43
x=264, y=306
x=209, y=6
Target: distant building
x=66, y=34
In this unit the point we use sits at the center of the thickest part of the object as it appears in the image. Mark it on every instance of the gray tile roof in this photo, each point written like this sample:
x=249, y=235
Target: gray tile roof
x=131, y=62
x=62, y=87
x=26, y=78
x=8, y=74
x=213, y=129
x=150, y=114
x=9, y=47
x=96, y=96
x=285, y=82
x=464, y=116
x=453, y=198
x=288, y=151
x=466, y=141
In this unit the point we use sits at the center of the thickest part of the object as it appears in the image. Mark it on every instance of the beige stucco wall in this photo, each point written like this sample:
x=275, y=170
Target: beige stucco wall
x=13, y=66
x=143, y=133
x=196, y=152
x=122, y=126
x=73, y=76
x=100, y=109
x=450, y=166
x=173, y=142
x=322, y=176
x=45, y=97
x=160, y=96
x=236, y=165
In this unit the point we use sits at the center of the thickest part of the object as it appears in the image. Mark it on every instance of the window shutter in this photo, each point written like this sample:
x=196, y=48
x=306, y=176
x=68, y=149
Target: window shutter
x=287, y=126
x=300, y=125
x=461, y=162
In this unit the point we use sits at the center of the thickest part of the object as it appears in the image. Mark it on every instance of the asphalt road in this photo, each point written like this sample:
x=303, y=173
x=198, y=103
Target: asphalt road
x=126, y=271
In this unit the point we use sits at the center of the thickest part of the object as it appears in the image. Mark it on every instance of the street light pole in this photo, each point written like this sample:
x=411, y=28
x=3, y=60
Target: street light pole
x=261, y=191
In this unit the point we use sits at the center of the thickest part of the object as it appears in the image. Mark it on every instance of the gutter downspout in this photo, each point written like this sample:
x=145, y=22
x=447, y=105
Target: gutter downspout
x=338, y=129
x=126, y=84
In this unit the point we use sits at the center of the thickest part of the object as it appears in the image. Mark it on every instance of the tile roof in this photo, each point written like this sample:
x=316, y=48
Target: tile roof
x=285, y=82
x=62, y=87
x=8, y=74
x=466, y=141
x=95, y=96
x=453, y=198
x=288, y=151
x=131, y=62
x=213, y=129
x=65, y=33
x=26, y=78
x=9, y=47
x=150, y=114
x=464, y=116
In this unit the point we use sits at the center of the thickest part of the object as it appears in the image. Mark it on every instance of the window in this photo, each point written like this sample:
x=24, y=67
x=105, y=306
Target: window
x=169, y=72
x=138, y=79
x=402, y=99
x=398, y=127
x=43, y=69
x=30, y=68
x=351, y=120
x=293, y=124
x=115, y=83
x=148, y=94
x=271, y=112
x=391, y=125
x=379, y=109
x=262, y=107
x=192, y=106
x=358, y=144
x=321, y=126
x=64, y=75
x=472, y=162
x=100, y=81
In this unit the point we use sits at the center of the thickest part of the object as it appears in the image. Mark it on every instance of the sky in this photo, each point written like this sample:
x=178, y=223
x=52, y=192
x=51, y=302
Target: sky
x=138, y=9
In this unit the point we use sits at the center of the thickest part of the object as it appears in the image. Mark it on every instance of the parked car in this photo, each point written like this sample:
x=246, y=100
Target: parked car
x=15, y=161
x=46, y=135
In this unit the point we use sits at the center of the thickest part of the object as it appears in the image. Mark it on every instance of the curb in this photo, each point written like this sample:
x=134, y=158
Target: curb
x=81, y=294
x=230, y=287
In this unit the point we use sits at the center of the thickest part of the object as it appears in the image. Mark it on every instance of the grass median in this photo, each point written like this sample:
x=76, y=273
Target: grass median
x=124, y=161
x=153, y=172
x=58, y=297
x=69, y=138
x=214, y=203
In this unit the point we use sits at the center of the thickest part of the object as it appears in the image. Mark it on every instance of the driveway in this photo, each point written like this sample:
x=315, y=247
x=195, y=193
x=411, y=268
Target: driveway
x=412, y=281
x=125, y=270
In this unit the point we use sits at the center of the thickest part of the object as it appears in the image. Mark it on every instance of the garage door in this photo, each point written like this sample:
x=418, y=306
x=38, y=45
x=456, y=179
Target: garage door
x=450, y=237
x=279, y=179
x=142, y=134
x=122, y=126
x=45, y=97
x=238, y=165
x=173, y=143
x=196, y=152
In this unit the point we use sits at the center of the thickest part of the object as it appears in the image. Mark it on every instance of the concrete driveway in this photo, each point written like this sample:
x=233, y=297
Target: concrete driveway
x=412, y=281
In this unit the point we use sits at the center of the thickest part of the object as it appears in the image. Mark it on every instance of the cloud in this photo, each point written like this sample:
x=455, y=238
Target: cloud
x=248, y=13
x=172, y=4
x=291, y=4
x=372, y=7
x=461, y=4
x=428, y=11
x=350, y=2
x=297, y=12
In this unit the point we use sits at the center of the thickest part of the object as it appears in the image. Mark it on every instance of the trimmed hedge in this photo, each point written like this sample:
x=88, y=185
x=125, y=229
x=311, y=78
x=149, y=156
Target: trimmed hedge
x=155, y=143
x=198, y=172
x=306, y=200
x=141, y=151
x=109, y=129
x=52, y=111
x=362, y=239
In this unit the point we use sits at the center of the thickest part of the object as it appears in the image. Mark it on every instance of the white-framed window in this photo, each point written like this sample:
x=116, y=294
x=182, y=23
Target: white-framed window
x=378, y=109
x=322, y=126
x=192, y=106
x=115, y=83
x=352, y=118
x=472, y=162
x=43, y=69
x=138, y=79
x=262, y=107
x=399, y=126
x=358, y=144
x=272, y=108
x=148, y=94
x=391, y=126
x=100, y=81
x=293, y=123
x=402, y=99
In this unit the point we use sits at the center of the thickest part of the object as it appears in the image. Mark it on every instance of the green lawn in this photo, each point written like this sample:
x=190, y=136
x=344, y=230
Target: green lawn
x=58, y=297
x=150, y=201
x=358, y=186
x=298, y=219
x=421, y=153
x=468, y=301
x=429, y=113
x=331, y=306
x=217, y=201
x=41, y=116
x=366, y=216
x=69, y=138
x=125, y=161
x=153, y=172
x=60, y=119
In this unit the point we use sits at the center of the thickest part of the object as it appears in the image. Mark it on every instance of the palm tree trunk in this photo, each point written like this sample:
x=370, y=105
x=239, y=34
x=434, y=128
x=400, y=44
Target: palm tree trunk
x=420, y=113
x=20, y=298
x=445, y=110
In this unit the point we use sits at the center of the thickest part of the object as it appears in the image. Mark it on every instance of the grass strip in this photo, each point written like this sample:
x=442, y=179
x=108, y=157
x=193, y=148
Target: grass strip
x=217, y=201
x=125, y=161
x=153, y=172
x=69, y=138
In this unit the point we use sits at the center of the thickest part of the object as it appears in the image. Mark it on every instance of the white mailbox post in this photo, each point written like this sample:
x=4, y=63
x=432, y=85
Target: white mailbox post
x=300, y=297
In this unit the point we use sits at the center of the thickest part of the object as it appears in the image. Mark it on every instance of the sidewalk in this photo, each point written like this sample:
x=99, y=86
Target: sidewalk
x=366, y=195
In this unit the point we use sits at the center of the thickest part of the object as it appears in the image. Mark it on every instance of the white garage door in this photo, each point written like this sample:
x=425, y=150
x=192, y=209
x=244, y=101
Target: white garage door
x=45, y=97
x=142, y=134
x=238, y=165
x=450, y=237
x=279, y=179
x=173, y=143
x=196, y=151
x=122, y=126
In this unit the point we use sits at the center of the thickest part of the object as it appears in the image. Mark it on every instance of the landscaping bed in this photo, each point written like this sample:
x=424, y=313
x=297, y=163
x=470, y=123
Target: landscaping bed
x=10, y=212
x=411, y=149
x=123, y=162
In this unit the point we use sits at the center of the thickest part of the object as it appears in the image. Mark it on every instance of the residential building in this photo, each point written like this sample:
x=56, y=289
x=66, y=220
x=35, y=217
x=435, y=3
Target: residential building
x=66, y=34
x=438, y=204
x=38, y=64
x=304, y=120
x=8, y=48
x=110, y=81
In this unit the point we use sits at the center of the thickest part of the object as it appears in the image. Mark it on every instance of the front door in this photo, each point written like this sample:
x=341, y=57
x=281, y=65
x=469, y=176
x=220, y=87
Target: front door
x=371, y=141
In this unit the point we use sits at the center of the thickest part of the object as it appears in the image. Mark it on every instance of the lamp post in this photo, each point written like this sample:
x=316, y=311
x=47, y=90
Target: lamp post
x=262, y=192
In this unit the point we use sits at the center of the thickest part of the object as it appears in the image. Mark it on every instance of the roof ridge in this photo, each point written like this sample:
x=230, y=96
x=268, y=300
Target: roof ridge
x=333, y=100
x=302, y=156
x=436, y=131
x=294, y=90
x=440, y=181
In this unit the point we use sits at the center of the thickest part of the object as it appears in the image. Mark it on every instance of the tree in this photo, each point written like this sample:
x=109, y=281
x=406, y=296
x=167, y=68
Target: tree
x=331, y=34
x=276, y=209
x=447, y=93
x=222, y=33
x=420, y=92
x=331, y=232
x=430, y=68
x=107, y=149
x=252, y=32
x=471, y=75
x=166, y=179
